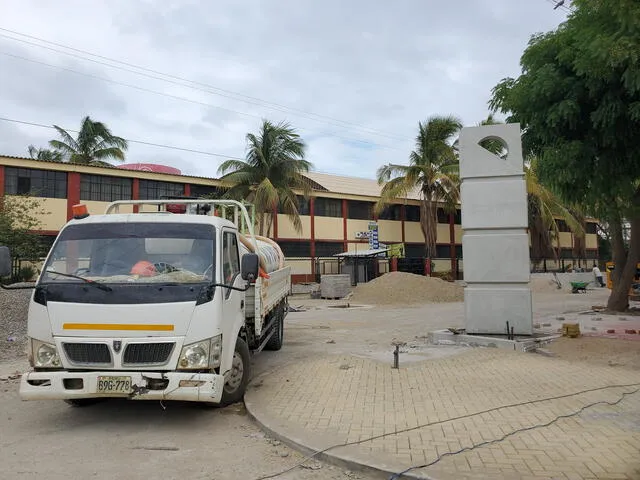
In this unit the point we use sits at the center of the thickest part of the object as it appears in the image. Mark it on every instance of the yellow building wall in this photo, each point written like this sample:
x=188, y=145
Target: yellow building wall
x=299, y=267
x=413, y=232
x=389, y=231
x=354, y=226
x=328, y=228
x=565, y=240
x=443, y=234
x=286, y=230
x=357, y=247
x=54, y=209
x=56, y=215
x=591, y=241
x=458, y=234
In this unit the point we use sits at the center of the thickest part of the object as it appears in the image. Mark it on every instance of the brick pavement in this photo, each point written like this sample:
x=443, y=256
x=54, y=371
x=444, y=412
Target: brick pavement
x=345, y=399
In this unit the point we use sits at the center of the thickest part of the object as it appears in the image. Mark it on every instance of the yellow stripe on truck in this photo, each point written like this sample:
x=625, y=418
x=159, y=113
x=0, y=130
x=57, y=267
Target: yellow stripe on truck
x=117, y=326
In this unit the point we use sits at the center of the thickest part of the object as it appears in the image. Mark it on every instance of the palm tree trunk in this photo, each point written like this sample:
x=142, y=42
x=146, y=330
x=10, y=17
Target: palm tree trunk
x=429, y=224
x=269, y=223
x=261, y=224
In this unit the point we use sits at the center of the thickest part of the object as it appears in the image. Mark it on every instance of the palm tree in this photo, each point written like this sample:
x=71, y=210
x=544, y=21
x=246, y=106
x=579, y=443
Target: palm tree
x=44, y=154
x=273, y=169
x=94, y=144
x=544, y=209
x=432, y=171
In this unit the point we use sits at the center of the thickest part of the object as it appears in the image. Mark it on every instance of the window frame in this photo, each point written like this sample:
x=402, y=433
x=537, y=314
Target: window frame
x=106, y=185
x=53, y=183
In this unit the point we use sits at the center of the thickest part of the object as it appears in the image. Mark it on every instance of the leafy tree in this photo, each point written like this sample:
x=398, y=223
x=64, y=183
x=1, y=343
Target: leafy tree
x=432, y=171
x=94, y=144
x=272, y=172
x=45, y=154
x=578, y=100
x=19, y=216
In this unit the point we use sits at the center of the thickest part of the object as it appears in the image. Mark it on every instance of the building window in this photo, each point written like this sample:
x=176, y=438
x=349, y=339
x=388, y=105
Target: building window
x=443, y=251
x=562, y=226
x=37, y=183
x=304, y=206
x=414, y=250
x=391, y=212
x=360, y=210
x=328, y=207
x=205, y=191
x=412, y=213
x=104, y=189
x=443, y=216
x=458, y=251
x=457, y=219
x=328, y=249
x=296, y=249
x=592, y=228
x=154, y=190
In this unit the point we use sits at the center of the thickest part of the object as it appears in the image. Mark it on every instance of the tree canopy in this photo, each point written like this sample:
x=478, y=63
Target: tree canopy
x=432, y=171
x=578, y=101
x=93, y=145
x=271, y=173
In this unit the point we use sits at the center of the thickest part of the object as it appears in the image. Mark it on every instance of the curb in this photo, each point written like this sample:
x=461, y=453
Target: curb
x=298, y=440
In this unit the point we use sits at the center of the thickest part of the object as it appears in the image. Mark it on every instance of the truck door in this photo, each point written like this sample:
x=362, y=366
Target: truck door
x=233, y=301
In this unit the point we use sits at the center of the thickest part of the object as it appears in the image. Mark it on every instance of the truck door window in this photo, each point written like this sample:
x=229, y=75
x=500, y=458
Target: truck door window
x=231, y=257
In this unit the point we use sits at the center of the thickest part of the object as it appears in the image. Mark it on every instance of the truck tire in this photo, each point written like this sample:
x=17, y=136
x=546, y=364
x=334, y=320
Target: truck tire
x=277, y=339
x=236, y=384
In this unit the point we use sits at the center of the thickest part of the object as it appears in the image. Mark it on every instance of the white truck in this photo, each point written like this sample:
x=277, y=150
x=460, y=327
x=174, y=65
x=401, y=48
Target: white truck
x=166, y=304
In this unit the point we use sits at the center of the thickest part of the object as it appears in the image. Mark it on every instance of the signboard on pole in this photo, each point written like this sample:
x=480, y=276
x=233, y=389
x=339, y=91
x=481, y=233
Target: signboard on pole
x=373, y=236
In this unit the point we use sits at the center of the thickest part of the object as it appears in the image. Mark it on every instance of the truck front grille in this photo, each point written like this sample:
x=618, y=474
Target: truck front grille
x=147, y=353
x=87, y=353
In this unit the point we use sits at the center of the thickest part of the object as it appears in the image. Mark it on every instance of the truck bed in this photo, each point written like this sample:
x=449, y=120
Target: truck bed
x=265, y=294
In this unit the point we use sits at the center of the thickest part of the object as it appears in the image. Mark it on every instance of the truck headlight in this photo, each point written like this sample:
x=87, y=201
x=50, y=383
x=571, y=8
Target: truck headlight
x=194, y=356
x=45, y=355
x=202, y=354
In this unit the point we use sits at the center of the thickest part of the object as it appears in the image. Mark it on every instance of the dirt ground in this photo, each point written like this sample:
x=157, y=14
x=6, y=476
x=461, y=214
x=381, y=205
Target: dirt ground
x=119, y=439
x=598, y=351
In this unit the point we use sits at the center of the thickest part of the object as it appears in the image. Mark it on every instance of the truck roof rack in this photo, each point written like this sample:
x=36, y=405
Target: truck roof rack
x=233, y=210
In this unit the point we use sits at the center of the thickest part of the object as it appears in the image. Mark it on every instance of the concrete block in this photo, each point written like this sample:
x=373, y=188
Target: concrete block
x=494, y=203
x=488, y=308
x=496, y=258
x=477, y=162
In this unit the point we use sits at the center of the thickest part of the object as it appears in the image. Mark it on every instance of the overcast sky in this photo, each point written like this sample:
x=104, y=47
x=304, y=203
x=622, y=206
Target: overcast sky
x=354, y=77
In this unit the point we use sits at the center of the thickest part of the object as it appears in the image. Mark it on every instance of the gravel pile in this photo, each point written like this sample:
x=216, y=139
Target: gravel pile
x=13, y=322
x=399, y=288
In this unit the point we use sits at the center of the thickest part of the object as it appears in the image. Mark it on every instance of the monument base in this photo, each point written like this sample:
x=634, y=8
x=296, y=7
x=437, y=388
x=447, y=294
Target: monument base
x=526, y=343
x=488, y=308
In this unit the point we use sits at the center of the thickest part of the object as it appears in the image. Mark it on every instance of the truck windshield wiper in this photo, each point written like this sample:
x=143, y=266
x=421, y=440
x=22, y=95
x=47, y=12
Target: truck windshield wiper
x=85, y=280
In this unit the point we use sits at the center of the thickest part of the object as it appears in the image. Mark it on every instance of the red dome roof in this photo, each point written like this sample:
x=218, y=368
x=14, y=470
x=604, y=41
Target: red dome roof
x=150, y=167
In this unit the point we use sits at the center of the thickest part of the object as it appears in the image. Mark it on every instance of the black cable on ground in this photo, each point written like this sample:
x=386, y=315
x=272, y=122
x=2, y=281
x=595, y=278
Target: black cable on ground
x=529, y=402
x=395, y=476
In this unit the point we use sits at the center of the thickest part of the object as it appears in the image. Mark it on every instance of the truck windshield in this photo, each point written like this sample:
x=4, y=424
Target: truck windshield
x=133, y=253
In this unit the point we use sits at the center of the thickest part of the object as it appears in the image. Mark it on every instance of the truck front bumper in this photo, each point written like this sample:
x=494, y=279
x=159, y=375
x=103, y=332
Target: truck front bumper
x=184, y=386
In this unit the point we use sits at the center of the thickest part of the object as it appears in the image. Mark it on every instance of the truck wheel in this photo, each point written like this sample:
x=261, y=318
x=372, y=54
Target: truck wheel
x=276, y=340
x=238, y=378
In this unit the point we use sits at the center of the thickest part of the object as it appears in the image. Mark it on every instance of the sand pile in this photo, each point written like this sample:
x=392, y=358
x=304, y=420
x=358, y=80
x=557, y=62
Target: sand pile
x=545, y=284
x=399, y=288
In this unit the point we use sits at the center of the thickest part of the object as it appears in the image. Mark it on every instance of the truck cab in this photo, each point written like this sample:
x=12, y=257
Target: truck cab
x=152, y=305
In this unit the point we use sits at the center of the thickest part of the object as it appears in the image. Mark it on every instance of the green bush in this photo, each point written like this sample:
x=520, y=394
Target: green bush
x=26, y=273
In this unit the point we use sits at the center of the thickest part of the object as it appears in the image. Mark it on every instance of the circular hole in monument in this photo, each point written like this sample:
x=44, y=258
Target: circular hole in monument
x=495, y=145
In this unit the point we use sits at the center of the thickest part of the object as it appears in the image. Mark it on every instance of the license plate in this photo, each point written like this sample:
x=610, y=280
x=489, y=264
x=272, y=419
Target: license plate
x=120, y=385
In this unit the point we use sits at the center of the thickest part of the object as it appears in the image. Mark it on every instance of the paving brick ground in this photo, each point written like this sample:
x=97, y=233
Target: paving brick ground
x=344, y=399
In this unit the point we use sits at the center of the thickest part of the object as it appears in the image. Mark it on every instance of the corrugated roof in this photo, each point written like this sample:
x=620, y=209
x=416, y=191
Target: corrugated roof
x=351, y=185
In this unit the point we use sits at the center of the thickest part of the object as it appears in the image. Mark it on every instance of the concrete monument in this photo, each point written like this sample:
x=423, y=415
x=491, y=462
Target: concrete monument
x=495, y=242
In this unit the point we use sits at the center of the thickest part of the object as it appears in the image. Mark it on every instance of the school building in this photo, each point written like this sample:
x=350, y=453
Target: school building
x=334, y=219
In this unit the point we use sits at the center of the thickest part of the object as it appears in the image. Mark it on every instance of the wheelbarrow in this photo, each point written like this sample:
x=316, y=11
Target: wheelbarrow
x=579, y=287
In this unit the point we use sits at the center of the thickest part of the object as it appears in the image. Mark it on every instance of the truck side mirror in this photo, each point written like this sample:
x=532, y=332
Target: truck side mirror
x=5, y=262
x=249, y=266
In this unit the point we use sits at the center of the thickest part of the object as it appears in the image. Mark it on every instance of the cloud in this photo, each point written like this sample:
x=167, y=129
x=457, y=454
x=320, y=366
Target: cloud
x=356, y=76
